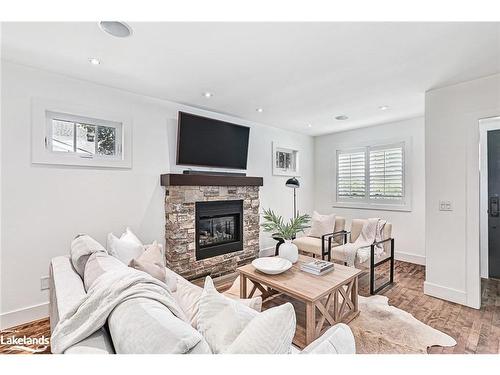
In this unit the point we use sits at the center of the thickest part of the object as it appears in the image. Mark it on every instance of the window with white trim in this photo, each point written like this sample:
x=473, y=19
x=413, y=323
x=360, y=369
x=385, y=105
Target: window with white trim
x=75, y=135
x=83, y=137
x=371, y=176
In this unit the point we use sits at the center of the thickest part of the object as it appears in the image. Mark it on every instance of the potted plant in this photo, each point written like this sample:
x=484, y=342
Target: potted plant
x=276, y=225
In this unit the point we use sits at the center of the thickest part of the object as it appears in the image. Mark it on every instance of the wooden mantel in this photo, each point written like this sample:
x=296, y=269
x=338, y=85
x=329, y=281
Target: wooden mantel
x=209, y=180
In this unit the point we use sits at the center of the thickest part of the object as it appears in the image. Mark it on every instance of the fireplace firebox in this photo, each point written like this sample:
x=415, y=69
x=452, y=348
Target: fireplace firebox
x=219, y=228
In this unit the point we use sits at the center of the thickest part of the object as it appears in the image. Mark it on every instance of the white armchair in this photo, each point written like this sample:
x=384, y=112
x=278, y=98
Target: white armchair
x=320, y=246
x=366, y=257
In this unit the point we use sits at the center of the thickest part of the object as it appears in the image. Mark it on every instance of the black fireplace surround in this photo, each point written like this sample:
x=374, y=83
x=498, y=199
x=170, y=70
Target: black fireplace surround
x=219, y=228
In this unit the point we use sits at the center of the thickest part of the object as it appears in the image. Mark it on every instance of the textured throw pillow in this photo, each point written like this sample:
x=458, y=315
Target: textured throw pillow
x=124, y=249
x=321, y=224
x=188, y=297
x=150, y=262
x=270, y=332
x=220, y=319
x=97, y=264
x=82, y=247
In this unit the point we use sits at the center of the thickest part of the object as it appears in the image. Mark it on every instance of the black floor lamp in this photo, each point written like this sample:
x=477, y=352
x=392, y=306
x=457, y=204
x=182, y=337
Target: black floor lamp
x=294, y=184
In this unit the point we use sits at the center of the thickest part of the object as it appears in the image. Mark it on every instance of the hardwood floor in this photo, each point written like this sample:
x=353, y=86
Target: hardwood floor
x=476, y=331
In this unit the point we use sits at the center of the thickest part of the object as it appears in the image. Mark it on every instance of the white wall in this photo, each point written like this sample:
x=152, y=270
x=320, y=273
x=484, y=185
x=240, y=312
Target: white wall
x=452, y=173
x=43, y=206
x=408, y=227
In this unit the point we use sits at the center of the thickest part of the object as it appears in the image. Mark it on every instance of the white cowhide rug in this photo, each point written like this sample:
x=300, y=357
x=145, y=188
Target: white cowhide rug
x=384, y=329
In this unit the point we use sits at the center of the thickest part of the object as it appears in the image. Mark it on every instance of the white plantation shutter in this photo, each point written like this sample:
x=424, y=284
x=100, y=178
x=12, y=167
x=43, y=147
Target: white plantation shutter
x=372, y=175
x=386, y=172
x=351, y=175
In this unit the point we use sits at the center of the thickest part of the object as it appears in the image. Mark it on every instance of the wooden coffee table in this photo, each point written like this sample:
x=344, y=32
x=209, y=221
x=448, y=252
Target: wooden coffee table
x=334, y=295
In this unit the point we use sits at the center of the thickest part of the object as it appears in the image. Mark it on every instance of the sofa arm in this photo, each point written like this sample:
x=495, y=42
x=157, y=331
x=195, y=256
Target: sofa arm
x=336, y=340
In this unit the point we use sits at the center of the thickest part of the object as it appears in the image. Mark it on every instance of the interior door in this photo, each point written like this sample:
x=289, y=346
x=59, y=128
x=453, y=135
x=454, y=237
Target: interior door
x=494, y=203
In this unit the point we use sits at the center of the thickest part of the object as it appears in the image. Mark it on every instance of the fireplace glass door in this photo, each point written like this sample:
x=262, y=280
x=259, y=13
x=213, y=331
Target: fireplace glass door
x=219, y=227
x=217, y=230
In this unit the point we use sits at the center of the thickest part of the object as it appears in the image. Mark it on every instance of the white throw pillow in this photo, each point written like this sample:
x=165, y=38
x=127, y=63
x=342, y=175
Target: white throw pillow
x=128, y=235
x=188, y=297
x=270, y=332
x=321, y=224
x=220, y=319
x=124, y=249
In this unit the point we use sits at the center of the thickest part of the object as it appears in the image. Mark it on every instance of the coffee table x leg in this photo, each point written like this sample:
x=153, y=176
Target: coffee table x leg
x=345, y=308
x=265, y=292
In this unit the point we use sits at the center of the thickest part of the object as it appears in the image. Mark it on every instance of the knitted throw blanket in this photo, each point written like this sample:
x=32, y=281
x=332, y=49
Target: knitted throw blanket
x=371, y=232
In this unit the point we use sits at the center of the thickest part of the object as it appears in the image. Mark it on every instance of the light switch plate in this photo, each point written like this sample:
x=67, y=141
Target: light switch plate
x=445, y=206
x=44, y=283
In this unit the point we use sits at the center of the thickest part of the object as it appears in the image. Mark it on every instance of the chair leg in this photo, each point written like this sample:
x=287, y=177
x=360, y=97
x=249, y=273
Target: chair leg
x=372, y=270
x=392, y=262
x=373, y=265
x=329, y=249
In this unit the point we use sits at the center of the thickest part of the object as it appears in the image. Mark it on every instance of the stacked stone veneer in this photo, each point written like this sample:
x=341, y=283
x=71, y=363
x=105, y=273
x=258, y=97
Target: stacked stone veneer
x=180, y=229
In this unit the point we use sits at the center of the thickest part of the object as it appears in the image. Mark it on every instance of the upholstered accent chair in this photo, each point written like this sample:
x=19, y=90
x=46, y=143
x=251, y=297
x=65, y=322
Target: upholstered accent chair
x=320, y=246
x=366, y=256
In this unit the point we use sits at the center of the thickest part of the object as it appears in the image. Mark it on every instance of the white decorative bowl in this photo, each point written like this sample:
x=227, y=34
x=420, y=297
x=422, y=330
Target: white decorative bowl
x=272, y=265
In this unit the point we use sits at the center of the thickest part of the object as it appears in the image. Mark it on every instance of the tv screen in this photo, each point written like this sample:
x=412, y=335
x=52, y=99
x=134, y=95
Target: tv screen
x=206, y=142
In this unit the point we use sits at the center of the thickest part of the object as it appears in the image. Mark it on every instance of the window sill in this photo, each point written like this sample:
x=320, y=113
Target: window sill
x=373, y=206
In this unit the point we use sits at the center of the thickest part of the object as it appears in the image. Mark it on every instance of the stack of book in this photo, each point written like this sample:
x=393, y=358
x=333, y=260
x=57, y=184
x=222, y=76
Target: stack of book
x=317, y=267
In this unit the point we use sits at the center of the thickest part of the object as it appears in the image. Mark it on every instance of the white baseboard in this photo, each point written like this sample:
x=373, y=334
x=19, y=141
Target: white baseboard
x=410, y=258
x=449, y=294
x=25, y=315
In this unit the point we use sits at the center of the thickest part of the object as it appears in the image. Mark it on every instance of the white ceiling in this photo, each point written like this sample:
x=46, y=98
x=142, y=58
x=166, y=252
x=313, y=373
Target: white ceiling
x=299, y=73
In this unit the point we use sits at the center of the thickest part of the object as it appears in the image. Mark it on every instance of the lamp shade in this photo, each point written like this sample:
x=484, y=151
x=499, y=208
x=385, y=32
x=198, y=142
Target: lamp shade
x=292, y=183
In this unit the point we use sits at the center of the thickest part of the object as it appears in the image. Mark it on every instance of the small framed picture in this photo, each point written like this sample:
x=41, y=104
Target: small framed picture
x=285, y=161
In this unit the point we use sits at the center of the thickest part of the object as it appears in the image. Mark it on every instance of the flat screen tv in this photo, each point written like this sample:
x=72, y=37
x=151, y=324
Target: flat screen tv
x=207, y=142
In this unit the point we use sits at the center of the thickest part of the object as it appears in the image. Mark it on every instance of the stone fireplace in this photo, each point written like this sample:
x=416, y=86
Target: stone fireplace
x=212, y=223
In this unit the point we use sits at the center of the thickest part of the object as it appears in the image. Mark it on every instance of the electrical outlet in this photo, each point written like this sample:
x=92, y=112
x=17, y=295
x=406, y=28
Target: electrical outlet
x=44, y=283
x=445, y=206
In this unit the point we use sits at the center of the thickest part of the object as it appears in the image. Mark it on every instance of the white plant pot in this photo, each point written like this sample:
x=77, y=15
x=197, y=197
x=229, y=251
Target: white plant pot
x=289, y=250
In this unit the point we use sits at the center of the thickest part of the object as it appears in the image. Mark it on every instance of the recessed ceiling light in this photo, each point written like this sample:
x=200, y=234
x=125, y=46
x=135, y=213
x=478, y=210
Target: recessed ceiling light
x=208, y=94
x=383, y=107
x=309, y=125
x=341, y=117
x=260, y=110
x=94, y=61
x=115, y=28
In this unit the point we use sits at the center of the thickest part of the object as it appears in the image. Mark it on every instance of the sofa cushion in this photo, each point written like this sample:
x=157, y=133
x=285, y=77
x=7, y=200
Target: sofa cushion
x=221, y=319
x=321, y=224
x=145, y=326
x=82, y=247
x=270, y=332
x=98, y=264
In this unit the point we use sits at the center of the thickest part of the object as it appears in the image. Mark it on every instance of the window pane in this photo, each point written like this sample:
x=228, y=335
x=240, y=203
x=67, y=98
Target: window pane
x=63, y=136
x=351, y=175
x=386, y=173
x=106, y=140
x=85, y=139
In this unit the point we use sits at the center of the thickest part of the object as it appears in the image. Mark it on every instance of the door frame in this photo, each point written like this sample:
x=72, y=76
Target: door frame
x=485, y=125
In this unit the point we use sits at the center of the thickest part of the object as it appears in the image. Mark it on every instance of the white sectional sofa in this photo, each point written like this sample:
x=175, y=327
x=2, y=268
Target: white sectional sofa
x=67, y=288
